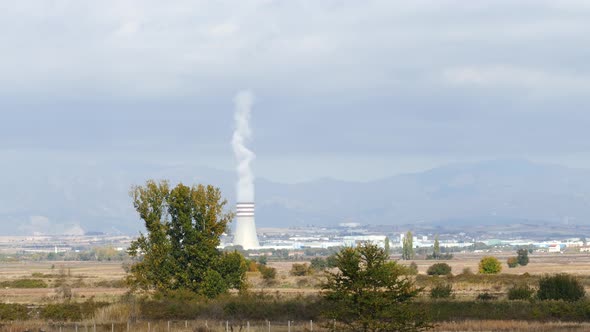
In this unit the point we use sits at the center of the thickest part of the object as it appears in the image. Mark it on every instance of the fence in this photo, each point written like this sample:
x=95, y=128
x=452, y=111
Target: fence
x=165, y=326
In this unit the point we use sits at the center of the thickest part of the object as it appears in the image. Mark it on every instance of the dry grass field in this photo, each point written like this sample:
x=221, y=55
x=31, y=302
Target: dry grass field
x=87, y=275
x=101, y=281
x=88, y=278
x=540, y=263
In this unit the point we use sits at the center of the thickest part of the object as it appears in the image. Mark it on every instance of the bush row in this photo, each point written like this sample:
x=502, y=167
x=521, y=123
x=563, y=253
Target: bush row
x=260, y=307
x=507, y=310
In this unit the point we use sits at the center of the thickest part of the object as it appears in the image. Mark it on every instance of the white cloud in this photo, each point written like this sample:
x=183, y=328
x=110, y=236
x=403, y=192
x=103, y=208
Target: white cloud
x=42, y=225
x=506, y=76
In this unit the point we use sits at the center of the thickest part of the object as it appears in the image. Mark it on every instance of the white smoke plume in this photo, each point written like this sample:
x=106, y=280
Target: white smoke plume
x=242, y=134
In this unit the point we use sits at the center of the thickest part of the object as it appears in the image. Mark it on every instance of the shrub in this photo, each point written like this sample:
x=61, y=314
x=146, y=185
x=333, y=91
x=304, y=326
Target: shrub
x=70, y=311
x=268, y=273
x=413, y=268
x=319, y=264
x=490, y=265
x=300, y=270
x=439, y=269
x=12, y=312
x=486, y=296
x=116, y=283
x=523, y=257
x=512, y=262
x=252, y=266
x=521, y=292
x=467, y=271
x=445, y=256
x=24, y=283
x=303, y=282
x=560, y=287
x=441, y=291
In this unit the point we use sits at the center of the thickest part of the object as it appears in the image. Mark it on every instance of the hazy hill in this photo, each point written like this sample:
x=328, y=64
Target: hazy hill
x=71, y=199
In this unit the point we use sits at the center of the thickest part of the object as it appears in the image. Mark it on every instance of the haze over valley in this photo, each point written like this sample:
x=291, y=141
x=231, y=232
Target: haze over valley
x=74, y=200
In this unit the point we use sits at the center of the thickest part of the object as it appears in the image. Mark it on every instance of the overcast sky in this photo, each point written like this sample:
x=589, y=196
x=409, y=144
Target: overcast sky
x=347, y=89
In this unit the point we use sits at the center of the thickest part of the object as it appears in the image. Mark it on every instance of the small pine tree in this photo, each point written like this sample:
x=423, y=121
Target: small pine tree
x=371, y=293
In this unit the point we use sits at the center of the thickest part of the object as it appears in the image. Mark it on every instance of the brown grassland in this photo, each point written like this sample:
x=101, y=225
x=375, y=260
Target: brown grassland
x=102, y=282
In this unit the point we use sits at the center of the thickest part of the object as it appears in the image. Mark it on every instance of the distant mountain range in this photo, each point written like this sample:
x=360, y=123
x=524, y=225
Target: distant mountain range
x=51, y=199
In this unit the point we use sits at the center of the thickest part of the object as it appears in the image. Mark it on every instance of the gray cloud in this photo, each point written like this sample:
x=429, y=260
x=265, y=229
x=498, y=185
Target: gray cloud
x=335, y=80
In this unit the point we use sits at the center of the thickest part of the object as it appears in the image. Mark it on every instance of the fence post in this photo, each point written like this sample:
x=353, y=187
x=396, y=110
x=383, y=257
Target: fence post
x=149, y=327
x=248, y=326
x=289, y=325
x=168, y=326
x=226, y=326
x=186, y=324
x=76, y=327
x=268, y=326
x=112, y=327
x=311, y=325
x=94, y=327
x=127, y=326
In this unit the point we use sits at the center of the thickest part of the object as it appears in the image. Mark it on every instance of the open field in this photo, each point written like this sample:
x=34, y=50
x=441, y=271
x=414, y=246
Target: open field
x=86, y=279
x=540, y=263
x=102, y=280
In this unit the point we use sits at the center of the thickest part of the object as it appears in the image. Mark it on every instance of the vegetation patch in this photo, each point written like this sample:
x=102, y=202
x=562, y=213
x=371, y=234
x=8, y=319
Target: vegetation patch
x=439, y=269
x=13, y=312
x=560, y=287
x=70, y=311
x=24, y=283
x=520, y=292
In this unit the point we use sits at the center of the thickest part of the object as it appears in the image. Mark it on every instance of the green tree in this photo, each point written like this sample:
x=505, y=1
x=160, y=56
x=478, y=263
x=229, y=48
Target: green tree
x=233, y=267
x=523, y=257
x=436, y=249
x=179, y=250
x=331, y=261
x=369, y=293
x=408, y=246
x=387, y=246
x=490, y=265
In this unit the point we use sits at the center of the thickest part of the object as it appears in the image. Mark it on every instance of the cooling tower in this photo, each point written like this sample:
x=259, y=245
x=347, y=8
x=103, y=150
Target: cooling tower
x=245, y=227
